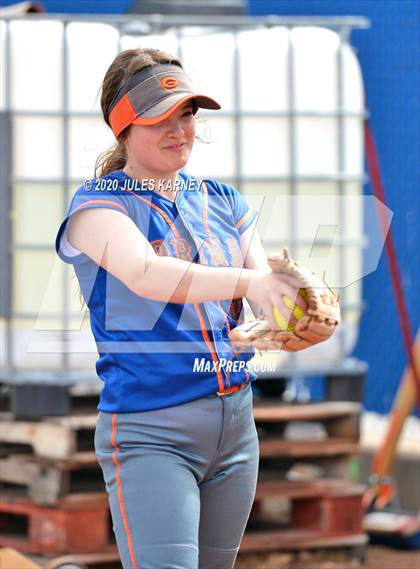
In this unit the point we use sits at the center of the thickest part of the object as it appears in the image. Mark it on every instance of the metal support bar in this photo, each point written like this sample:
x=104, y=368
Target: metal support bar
x=237, y=104
x=291, y=105
x=5, y=206
x=6, y=276
x=245, y=179
x=341, y=165
x=221, y=113
x=66, y=146
x=166, y=21
x=343, y=241
x=345, y=306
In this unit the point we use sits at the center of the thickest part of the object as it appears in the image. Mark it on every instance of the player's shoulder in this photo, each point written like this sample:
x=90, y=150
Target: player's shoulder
x=110, y=184
x=105, y=191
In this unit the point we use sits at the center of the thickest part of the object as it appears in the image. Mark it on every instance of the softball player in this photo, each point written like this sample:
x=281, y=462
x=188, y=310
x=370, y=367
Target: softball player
x=163, y=261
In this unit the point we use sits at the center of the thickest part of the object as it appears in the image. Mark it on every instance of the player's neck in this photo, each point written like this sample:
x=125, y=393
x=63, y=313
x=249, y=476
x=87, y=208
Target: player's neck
x=166, y=185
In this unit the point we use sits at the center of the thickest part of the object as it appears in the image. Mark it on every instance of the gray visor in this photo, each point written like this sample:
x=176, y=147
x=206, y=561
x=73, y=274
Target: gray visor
x=152, y=94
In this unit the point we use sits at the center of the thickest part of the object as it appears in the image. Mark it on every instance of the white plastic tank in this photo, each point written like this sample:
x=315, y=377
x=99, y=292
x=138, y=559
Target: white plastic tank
x=278, y=133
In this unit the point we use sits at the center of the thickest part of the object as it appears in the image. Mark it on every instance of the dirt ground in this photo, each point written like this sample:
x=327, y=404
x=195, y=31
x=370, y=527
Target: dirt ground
x=377, y=558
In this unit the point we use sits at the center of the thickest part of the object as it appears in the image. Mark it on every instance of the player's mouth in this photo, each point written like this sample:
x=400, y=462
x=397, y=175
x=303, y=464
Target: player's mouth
x=176, y=147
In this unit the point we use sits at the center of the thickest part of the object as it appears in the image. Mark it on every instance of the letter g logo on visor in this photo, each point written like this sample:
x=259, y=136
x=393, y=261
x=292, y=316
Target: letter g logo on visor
x=169, y=83
x=153, y=94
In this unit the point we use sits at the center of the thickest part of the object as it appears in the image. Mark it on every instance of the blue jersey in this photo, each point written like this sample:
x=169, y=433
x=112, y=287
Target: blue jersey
x=154, y=354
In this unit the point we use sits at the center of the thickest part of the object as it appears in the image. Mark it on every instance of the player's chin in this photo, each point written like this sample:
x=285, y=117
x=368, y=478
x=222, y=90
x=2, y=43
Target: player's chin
x=181, y=160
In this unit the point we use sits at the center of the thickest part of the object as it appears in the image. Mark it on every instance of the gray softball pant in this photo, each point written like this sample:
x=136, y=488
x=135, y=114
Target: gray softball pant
x=181, y=481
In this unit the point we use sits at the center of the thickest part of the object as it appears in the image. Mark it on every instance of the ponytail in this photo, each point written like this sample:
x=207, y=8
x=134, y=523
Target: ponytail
x=110, y=160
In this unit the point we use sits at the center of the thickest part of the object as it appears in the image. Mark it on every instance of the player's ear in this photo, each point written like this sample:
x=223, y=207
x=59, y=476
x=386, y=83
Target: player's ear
x=125, y=134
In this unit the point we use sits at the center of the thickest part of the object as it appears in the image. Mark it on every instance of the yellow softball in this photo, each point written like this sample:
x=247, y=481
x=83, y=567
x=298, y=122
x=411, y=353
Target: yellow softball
x=297, y=313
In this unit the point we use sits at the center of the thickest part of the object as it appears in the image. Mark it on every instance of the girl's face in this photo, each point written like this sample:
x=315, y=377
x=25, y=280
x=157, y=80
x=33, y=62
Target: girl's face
x=162, y=149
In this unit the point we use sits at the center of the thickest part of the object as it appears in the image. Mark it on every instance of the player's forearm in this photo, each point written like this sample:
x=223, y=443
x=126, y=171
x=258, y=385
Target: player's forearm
x=257, y=264
x=168, y=279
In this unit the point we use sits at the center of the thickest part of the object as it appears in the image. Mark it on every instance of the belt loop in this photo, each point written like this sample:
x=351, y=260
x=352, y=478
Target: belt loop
x=239, y=388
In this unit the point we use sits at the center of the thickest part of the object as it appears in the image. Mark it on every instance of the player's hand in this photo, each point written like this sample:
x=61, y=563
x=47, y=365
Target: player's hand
x=267, y=290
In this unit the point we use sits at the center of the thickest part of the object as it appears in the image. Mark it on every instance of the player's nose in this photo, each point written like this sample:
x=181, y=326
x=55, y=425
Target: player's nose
x=175, y=125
